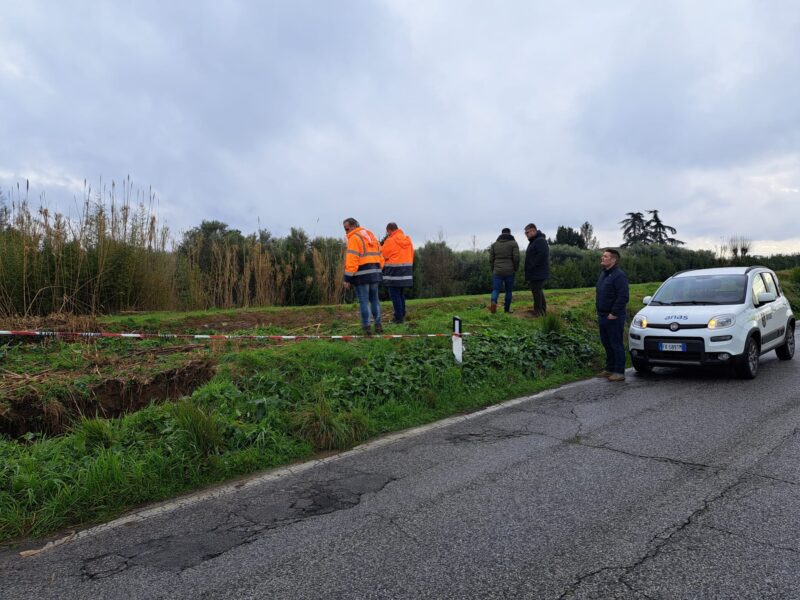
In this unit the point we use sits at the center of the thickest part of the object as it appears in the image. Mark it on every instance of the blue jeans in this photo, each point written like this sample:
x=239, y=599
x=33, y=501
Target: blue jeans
x=497, y=284
x=611, y=333
x=367, y=295
x=397, y=294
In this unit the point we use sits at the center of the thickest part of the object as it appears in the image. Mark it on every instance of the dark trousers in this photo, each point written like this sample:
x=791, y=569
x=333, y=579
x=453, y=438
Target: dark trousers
x=611, y=333
x=539, y=303
x=498, y=281
x=397, y=294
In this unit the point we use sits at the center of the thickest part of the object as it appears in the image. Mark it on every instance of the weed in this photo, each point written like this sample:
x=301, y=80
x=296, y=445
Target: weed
x=94, y=434
x=551, y=323
x=203, y=431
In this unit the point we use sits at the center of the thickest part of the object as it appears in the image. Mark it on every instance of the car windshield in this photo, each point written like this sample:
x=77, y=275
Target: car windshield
x=702, y=290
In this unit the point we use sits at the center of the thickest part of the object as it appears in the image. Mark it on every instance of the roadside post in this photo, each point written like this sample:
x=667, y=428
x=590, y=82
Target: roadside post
x=458, y=344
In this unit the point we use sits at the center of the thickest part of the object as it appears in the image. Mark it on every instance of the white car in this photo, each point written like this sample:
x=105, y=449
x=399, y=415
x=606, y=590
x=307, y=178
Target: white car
x=722, y=316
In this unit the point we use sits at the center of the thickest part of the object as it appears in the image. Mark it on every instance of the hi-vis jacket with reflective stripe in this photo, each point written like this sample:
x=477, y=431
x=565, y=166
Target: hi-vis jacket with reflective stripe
x=363, y=261
x=398, y=251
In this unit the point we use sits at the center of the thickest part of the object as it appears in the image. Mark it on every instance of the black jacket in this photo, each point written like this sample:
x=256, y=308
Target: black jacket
x=537, y=258
x=612, y=292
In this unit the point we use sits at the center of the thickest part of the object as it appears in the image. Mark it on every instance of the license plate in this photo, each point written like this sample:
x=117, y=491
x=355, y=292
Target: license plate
x=668, y=347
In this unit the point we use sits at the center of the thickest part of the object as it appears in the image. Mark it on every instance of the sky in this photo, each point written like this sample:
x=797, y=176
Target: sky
x=452, y=118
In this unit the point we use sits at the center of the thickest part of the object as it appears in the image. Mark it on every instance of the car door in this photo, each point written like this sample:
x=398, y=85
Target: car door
x=768, y=324
x=778, y=309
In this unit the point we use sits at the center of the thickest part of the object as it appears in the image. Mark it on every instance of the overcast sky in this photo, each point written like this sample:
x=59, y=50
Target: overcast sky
x=453, y=118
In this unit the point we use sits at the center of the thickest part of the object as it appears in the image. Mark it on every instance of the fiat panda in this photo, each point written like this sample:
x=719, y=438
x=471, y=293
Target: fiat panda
x=724, y=316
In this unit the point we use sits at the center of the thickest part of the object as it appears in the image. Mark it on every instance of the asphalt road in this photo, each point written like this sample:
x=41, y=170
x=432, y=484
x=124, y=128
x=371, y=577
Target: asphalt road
x=684, y=484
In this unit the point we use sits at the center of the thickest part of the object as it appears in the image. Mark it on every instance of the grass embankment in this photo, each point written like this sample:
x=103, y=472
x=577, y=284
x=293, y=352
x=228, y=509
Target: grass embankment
x=266, y=405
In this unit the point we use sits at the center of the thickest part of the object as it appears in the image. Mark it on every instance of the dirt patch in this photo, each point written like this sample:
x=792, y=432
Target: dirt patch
x=54, y=322
x=306, y=320
x=108, y=398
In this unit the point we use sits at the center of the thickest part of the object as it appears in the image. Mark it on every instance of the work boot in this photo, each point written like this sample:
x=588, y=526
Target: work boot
x=378, y=328
x=616, y=377
x=493, y=307
x=367, y=331
x=604, y=374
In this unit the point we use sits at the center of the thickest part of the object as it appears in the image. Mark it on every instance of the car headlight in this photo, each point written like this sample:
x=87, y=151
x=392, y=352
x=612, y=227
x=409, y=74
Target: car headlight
x=640, y=322
x=721, y=321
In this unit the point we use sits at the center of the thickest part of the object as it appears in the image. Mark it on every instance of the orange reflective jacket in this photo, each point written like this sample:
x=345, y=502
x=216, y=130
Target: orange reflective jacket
x=398, y=252
x=363, y=261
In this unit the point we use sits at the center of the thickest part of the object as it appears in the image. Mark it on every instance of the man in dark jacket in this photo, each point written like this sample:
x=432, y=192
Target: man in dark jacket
x=611, y=297
x=537, y=267
x=504, y=260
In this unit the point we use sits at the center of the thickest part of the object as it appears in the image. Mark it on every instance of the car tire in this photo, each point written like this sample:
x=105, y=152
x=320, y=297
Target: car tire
x=786, y=352
x=641, y=366
x=746, y=365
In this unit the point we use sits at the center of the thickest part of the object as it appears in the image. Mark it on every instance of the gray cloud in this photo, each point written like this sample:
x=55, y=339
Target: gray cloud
x=450, y=117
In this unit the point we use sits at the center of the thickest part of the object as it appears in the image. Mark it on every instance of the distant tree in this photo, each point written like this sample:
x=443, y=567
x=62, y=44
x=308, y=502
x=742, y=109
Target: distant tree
x=5, y=214
x=568, y=237
x=634, y=229
x=589, y=240
x=658, y=232
x=739, y=246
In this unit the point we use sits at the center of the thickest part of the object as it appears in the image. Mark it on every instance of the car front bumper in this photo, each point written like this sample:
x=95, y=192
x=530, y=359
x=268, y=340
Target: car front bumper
x=697, y=347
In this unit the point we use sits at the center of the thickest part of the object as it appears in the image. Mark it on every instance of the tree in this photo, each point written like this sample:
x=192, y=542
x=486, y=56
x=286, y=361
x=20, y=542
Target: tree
x=658, y=231
x=589, y=240
x=568, y=237
x=634, y=229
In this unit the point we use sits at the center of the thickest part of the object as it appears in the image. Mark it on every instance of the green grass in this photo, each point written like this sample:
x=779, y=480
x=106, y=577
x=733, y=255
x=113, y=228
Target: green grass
x=271, y=405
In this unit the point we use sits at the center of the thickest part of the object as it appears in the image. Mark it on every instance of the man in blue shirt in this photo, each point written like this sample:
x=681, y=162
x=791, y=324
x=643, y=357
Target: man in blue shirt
x=611, y=299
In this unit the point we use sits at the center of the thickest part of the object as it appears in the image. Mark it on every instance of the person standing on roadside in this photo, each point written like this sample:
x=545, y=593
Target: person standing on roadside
x=537, y=267
x=362, y=271
x=398, y=268
x=611, y=297
x=504, y=260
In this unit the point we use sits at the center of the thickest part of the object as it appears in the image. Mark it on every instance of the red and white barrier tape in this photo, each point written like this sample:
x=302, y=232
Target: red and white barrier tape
x=172, y=336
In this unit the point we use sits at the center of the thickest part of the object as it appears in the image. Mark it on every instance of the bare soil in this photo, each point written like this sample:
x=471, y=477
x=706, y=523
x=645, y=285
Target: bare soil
x=47, y=402
x=305, y=320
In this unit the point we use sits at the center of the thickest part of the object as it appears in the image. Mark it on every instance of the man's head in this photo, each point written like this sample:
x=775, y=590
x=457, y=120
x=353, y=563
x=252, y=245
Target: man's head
x=505, y=230
x=349, y=224
x=530, y=231
x=391, y=228
x=609, y=258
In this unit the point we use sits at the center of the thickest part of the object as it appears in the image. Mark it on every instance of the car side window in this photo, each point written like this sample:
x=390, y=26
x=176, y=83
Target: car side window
x=759, y=287
x=772, y=285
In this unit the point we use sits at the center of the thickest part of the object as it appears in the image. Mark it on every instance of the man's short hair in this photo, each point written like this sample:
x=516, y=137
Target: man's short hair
x=506, y=230
x=613, y=251
x=391, y=226
x=351, y=222
x=531, y=226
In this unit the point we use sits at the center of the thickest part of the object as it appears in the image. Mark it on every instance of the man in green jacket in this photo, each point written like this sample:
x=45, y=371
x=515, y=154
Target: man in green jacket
x=504, y=259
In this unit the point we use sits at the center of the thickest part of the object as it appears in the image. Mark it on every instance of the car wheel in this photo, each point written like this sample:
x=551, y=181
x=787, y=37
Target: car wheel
x=641, y=366
x=786, y=352
x=747, y=365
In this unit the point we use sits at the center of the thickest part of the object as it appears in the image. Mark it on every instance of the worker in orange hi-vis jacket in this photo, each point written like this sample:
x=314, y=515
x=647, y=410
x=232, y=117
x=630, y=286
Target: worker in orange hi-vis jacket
x=398, y=267
x=362, y=271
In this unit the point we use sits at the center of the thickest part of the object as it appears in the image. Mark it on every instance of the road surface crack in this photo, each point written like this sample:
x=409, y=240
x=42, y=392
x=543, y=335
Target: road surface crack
x=750, y=539
x=656, y=544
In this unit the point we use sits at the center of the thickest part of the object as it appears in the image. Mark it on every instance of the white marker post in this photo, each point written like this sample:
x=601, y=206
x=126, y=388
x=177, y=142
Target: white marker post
x=458, y=344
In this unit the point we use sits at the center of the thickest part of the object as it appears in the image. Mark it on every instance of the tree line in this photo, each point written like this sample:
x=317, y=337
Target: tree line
x=115, y=258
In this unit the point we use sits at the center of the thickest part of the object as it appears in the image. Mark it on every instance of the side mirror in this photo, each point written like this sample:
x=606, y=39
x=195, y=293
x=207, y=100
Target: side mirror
x=766, y=297
x=647, y=299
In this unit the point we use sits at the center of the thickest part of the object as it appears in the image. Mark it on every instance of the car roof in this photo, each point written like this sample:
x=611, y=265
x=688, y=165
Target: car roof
x=718, y=271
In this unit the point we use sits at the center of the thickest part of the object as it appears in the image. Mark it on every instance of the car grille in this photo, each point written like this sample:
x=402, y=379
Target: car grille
x=695, y=349
x=680, y=326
